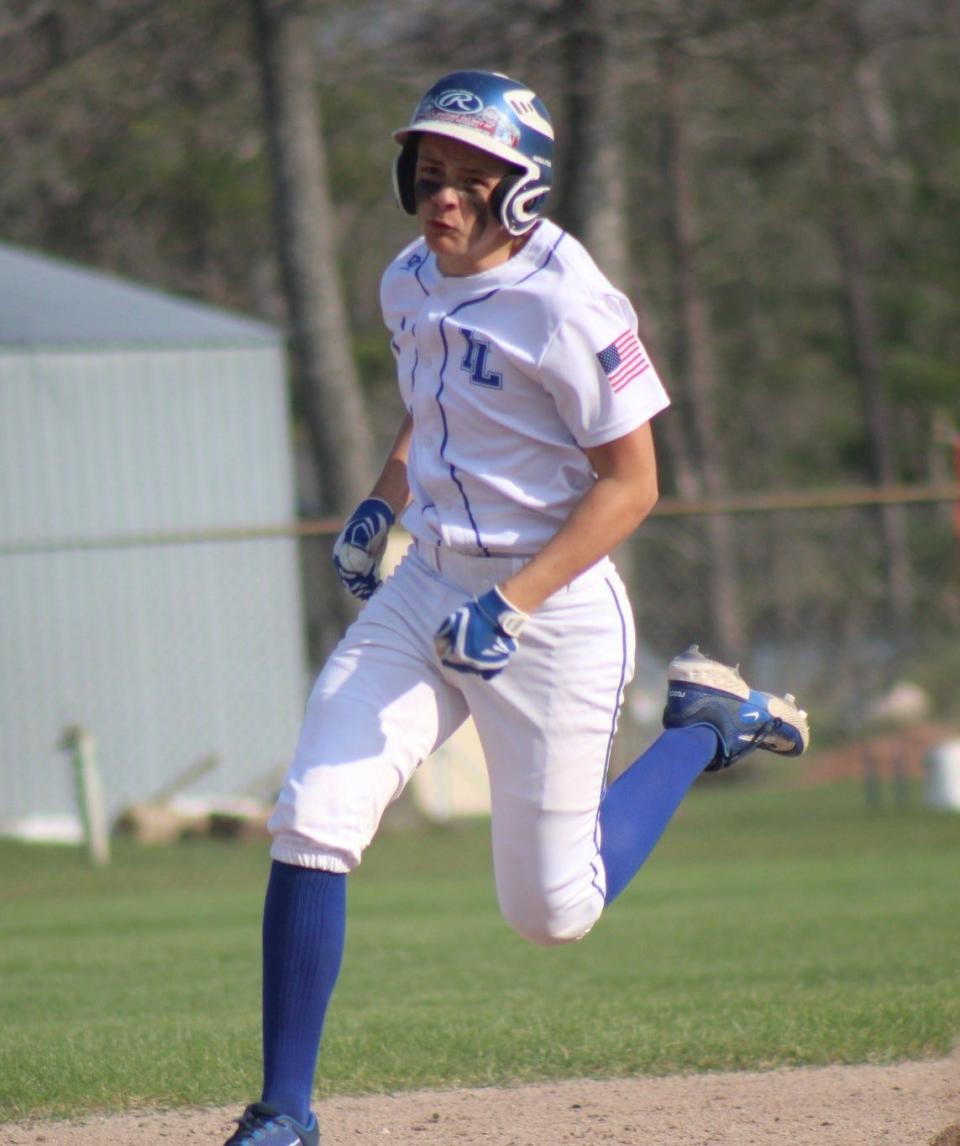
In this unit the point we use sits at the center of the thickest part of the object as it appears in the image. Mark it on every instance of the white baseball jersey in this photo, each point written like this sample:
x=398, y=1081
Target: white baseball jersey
x=507, y=374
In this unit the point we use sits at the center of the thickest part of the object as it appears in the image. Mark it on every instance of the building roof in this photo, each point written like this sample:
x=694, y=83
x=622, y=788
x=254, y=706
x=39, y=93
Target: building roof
x=47, y=302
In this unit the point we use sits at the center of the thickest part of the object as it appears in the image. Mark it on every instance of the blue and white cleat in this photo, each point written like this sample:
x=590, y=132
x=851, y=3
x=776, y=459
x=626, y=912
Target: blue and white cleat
x=704, y=691
x=263, y=1125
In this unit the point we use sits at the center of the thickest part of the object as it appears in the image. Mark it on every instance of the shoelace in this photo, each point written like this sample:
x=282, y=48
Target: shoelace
x=253, y=1123
x=771, y=725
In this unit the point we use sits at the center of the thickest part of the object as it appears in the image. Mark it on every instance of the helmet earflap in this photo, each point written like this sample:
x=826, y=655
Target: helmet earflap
x=404, y=175
x=517, y=201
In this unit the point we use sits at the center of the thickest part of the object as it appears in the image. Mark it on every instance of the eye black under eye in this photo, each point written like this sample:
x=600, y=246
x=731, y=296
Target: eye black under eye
x=426, y=188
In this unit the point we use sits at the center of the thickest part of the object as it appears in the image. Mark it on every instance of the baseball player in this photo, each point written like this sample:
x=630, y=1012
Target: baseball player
x=525, y=457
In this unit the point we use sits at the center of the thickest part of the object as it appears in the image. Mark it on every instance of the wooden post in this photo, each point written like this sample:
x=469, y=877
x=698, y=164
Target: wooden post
x=81, y=744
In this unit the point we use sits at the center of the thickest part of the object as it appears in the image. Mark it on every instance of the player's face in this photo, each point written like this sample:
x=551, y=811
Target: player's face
x=453, y=185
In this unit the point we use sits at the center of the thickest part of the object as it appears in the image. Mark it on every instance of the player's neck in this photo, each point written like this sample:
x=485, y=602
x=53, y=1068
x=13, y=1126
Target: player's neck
x=460, y=265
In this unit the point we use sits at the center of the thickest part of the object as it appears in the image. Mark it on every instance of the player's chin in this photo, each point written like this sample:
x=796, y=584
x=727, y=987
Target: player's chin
x=442, y=240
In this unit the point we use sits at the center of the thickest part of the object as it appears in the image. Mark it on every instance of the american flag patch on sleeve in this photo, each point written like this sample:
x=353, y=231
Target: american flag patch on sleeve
x=623, y=360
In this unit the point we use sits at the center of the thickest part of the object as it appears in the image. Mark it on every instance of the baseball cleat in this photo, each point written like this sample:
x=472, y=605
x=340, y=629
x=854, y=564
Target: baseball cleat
x=704, y=691
x=263, y=1125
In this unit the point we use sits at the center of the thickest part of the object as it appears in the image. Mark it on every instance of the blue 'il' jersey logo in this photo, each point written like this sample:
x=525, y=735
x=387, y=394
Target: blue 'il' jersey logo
x=475, y=362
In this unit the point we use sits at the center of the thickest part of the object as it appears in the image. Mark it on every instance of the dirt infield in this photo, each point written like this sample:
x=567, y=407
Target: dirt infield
x=910, y=1104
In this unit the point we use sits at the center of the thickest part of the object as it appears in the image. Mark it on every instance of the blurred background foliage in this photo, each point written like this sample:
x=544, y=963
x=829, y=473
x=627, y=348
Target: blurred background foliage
x=776, y=186
x=133, y=140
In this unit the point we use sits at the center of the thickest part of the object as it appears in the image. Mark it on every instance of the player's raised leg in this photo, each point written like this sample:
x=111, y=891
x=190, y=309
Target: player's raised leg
x=547, y=726
x=712, y=719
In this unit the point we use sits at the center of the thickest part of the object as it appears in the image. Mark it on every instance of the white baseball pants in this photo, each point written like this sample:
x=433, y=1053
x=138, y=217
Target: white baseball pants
x=383, y=703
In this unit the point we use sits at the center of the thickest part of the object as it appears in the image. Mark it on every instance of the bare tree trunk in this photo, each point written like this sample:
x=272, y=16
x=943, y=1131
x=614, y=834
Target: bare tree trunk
x=327, y=381
x=846, y=41
x=325, y=375
x=693, y=356
x=592, y=185
x=862, y=327
x=592, y=199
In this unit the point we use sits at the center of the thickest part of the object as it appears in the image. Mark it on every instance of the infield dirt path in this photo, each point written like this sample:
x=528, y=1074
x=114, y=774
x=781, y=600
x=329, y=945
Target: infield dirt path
x=910, y=1104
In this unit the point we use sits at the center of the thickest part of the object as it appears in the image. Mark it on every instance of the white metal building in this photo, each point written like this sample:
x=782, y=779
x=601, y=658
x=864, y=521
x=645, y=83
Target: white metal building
x=126, y=412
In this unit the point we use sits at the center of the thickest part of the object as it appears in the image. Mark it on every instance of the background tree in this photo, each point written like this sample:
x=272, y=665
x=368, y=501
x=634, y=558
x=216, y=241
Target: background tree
x=324, y=369
x=305, y=222
x=133, y=139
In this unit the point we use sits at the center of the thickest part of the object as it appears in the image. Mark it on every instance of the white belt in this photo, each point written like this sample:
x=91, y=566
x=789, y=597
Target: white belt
x=473, y=571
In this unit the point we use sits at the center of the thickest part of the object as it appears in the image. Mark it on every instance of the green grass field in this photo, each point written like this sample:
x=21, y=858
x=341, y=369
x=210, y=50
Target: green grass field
x=772, y=926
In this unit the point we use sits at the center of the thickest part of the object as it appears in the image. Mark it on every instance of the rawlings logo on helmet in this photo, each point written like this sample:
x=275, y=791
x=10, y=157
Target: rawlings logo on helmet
x=459, y=100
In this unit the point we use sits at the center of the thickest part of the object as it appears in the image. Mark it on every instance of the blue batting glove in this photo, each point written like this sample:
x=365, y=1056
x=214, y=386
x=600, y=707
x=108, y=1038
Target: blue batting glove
x=480, y=636
x=358, y=550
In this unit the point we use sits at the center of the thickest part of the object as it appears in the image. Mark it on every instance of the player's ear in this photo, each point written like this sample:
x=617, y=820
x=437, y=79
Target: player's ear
x=404, y=175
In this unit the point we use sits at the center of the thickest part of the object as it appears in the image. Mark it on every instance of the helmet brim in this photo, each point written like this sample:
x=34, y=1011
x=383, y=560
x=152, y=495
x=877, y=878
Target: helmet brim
x=475, y=139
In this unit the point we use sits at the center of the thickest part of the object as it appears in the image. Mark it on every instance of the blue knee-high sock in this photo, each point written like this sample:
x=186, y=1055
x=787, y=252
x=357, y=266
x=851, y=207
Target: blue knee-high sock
x=638, y=805
x=304, y=920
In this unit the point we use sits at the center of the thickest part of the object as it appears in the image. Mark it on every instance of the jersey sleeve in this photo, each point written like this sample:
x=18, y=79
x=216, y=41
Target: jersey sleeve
x=599, y=372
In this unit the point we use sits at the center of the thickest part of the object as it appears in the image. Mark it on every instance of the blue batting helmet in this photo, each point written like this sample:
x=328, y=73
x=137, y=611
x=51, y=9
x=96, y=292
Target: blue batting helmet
x=498, y=115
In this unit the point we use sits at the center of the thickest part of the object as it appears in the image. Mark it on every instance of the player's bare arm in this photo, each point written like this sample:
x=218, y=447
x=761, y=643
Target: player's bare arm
x=625, y=492
x=392, y=486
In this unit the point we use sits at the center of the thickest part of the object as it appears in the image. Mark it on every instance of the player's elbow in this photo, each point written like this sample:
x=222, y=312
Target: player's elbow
x=647, y=500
